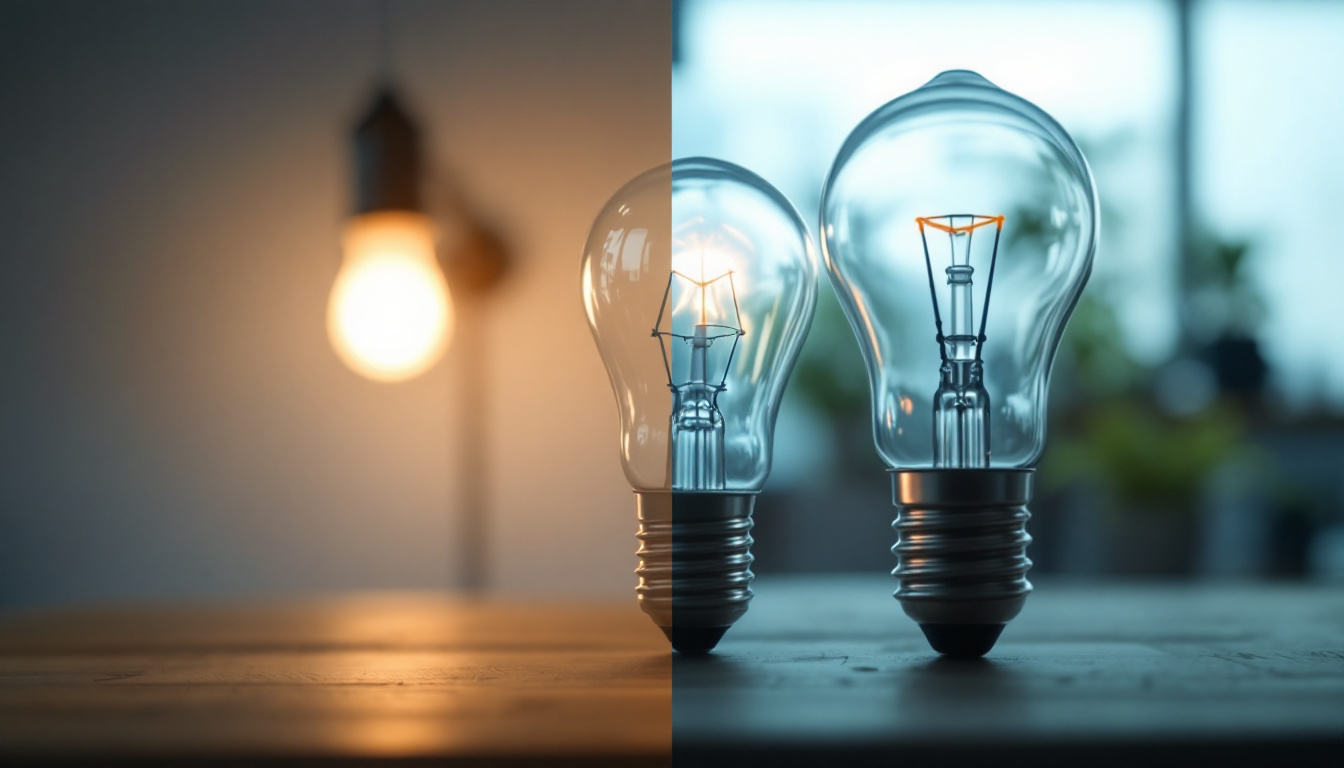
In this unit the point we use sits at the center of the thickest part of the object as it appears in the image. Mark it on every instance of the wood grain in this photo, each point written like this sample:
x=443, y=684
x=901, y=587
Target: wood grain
x=377, y=676
x=822, y=671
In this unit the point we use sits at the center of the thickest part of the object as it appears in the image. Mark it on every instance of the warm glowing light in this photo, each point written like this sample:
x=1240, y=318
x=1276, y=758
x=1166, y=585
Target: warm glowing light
x=390, y=315
x=703, y=263
x=707, y=268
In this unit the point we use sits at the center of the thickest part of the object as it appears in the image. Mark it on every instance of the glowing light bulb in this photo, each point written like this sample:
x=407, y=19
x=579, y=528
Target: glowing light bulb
x=699, y=282
x=390, y=316
x=959, y=224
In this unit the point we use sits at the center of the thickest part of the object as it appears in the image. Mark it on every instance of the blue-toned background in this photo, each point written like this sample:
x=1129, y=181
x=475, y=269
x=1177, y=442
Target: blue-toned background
x=1197, y=402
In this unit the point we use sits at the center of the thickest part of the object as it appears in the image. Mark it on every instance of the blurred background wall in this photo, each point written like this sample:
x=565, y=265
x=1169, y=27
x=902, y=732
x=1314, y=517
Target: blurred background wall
x=1196, y=404
x=173, y=178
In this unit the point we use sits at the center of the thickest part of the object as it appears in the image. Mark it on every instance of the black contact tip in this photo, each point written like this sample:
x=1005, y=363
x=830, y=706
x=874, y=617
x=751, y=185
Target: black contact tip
x=964, y=641
x=693, y=640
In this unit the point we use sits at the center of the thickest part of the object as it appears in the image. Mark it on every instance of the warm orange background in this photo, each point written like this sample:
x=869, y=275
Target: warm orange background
x=175, y=176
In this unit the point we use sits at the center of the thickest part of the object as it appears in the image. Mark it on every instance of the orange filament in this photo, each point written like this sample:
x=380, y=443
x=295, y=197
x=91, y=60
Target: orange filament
x=983, y=220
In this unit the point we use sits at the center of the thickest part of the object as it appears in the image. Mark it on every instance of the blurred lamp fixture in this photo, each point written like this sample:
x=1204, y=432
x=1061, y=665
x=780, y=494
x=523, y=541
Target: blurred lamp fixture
x=699, y=282
x=390, y=316
x=959, y=224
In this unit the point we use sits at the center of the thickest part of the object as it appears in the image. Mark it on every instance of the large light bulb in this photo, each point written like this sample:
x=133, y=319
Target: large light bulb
x=959, y=224
x=390, y=315
x=699, y=282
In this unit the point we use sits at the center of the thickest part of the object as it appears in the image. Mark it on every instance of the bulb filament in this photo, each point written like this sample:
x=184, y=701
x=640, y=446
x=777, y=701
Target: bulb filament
x=961, y=404
x=697, y=380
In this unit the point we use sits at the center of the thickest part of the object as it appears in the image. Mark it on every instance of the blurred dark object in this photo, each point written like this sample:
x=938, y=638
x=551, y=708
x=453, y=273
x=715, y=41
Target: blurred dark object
x=1238, y=366
x=837, y=528
x=1290, y=534
x=1223, y=314
x=479, y=260
x=387, y=158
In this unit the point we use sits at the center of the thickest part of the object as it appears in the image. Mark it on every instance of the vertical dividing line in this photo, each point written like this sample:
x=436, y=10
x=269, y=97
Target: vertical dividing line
x=473, y=535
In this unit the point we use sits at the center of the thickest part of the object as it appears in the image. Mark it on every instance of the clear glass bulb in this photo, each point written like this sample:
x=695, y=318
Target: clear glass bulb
x=959, y=224
x=390, y=315
x=699, y=282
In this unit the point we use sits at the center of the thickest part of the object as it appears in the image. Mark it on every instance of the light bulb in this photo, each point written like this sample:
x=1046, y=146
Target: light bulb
x=390, y=315
x=959, y=224
x=699, y=283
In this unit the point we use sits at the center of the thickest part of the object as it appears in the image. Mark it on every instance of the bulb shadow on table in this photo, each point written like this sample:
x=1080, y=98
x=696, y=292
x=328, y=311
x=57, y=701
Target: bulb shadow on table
x=928, y=680
x=993, y=688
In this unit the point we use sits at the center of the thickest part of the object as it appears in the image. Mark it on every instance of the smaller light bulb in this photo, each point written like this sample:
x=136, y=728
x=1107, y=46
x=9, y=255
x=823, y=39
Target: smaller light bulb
x=699, y=281
x=390, y=316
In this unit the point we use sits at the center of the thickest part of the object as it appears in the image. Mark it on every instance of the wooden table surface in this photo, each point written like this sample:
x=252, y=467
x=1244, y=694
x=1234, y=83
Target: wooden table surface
x=369, y=676
x=822, y=670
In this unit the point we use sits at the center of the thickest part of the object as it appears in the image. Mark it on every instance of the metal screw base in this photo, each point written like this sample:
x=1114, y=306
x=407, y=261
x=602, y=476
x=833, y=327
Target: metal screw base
x=694, y=563
x=961, y=553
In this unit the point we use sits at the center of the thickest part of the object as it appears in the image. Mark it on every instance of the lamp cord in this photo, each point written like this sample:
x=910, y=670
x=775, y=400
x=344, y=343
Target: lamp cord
x=385, y=42
x=473, y=464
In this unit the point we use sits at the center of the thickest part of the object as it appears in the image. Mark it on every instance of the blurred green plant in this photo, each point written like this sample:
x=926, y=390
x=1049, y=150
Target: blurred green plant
x=1143, y=458
x=1111, y=430
x=1224, y=299
x=830, y=374
x=1100, y=364
x=1107, y=427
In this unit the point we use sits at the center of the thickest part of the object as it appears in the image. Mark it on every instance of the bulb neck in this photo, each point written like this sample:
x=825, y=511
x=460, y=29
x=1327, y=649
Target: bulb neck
x=961, y=416
x=697, y=431
x=694, y=563
x=961, y=552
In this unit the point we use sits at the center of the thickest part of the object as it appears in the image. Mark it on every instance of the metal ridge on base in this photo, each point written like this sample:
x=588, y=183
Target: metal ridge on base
x=694, y=563
x=961, y=553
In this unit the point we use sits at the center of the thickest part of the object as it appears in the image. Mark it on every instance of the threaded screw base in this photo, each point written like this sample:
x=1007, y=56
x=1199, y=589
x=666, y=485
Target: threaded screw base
x=694, y=563
x=961, y=553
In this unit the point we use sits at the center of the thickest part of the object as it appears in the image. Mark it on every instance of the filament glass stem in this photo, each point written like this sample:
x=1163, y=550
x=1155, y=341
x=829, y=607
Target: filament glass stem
x=961, y=405
x=697, y=425
x=959, y=277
